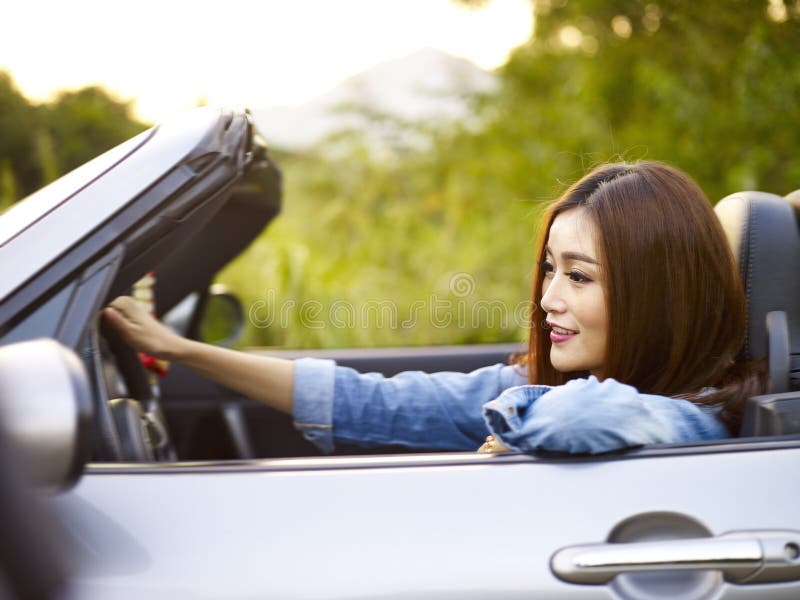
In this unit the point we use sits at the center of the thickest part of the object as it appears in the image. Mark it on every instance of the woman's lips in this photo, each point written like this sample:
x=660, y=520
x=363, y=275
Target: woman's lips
x=557, y=338
x=560, y=334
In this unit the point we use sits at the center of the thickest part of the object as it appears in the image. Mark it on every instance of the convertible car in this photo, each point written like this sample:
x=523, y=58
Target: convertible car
x=175, y=487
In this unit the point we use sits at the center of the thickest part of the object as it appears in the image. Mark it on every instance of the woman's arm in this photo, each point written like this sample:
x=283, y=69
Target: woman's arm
x=263, y=378
x=413, y=408
x=590, y=416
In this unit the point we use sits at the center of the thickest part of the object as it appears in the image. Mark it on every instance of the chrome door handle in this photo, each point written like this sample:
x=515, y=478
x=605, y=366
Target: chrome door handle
x=742, y=556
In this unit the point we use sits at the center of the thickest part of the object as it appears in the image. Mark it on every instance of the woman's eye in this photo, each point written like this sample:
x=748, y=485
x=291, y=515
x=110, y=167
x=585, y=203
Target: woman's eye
x=577, y=277
x=547, y=267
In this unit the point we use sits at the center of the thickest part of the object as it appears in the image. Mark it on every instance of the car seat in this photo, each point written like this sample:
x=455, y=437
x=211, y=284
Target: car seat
x=763, y=232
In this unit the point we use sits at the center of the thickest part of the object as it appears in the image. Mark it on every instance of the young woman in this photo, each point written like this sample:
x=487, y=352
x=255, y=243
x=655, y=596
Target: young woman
x=638, y=314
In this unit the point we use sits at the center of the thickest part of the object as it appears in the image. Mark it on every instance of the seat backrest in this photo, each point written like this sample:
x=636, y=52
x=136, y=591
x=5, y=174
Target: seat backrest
x=764, y=236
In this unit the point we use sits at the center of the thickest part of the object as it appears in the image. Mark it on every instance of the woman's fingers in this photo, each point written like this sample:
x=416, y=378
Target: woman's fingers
x=492, y=445
x=137, y=326
x=113, y=316
x=127, y=306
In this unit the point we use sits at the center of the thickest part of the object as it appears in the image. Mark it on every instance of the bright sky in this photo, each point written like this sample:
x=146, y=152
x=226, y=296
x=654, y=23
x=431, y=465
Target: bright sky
x=167, y=54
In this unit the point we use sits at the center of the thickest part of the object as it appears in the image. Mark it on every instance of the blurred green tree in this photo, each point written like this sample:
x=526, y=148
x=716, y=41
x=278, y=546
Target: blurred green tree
x=85, y=123
x=712, y=87
x=8, y=185
x=18, y=122
x=39, y=143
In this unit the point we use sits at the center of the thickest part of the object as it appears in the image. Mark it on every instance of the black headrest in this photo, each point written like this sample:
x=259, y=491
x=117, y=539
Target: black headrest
x=763, y=232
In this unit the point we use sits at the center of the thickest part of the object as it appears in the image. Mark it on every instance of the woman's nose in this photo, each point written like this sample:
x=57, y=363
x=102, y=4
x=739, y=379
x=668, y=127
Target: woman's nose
x=552, y=301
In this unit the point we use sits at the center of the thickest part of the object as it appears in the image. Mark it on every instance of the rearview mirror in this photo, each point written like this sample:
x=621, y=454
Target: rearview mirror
x=46, y=410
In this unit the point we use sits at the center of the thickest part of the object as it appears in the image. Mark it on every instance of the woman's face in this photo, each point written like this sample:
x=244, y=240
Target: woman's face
x=573, y=294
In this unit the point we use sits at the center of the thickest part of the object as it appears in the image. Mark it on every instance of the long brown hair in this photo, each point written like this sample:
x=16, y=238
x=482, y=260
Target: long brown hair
x=676, y=307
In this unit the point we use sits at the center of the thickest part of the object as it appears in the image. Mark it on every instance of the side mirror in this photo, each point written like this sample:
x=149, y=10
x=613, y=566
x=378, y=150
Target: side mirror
x=222, y=321
x=216, y=317
x=46, y=410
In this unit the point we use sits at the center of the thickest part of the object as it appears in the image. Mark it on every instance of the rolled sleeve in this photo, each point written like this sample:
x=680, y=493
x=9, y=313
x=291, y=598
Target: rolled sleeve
x=589, y=416
x=314, y=382
x=435, y=411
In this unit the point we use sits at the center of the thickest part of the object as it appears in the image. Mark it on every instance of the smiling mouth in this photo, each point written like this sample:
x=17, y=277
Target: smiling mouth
x=560, y=330
x=559, y=335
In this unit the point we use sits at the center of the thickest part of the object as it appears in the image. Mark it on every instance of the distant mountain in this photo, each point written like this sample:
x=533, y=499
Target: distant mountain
x=424, y=85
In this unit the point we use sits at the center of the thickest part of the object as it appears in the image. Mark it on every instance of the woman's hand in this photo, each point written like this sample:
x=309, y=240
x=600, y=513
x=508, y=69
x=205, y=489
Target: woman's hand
x=141, y=330
x=492, y=445
x=264, y=378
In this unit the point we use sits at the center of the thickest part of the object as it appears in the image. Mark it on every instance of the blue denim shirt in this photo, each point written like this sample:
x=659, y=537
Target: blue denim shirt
x=456, y=411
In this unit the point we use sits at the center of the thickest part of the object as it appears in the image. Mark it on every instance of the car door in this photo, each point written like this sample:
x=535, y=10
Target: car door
x=460, y=525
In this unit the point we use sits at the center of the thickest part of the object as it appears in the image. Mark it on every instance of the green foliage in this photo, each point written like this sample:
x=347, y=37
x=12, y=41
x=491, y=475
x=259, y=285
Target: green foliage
x=47, y=155
x=8, y=185
x=395, y=249
x=87, y=122
x=39, y=143
x=386, y=234
x=18, y=119
x=711, y=87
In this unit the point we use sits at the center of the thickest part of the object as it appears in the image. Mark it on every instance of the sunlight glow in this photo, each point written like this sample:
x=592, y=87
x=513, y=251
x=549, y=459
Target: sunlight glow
x=570, y=36
x=776, y=10
x=168, y=55
x=621, y=25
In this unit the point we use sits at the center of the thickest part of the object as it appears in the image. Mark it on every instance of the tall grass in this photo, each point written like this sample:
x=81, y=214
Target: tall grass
x=406, y=246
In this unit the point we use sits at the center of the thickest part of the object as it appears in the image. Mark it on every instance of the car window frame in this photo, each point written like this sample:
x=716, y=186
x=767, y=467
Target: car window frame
x=731, y=446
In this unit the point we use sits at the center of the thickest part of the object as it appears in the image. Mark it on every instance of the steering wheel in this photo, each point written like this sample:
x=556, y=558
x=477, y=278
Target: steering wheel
x=136, y=418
